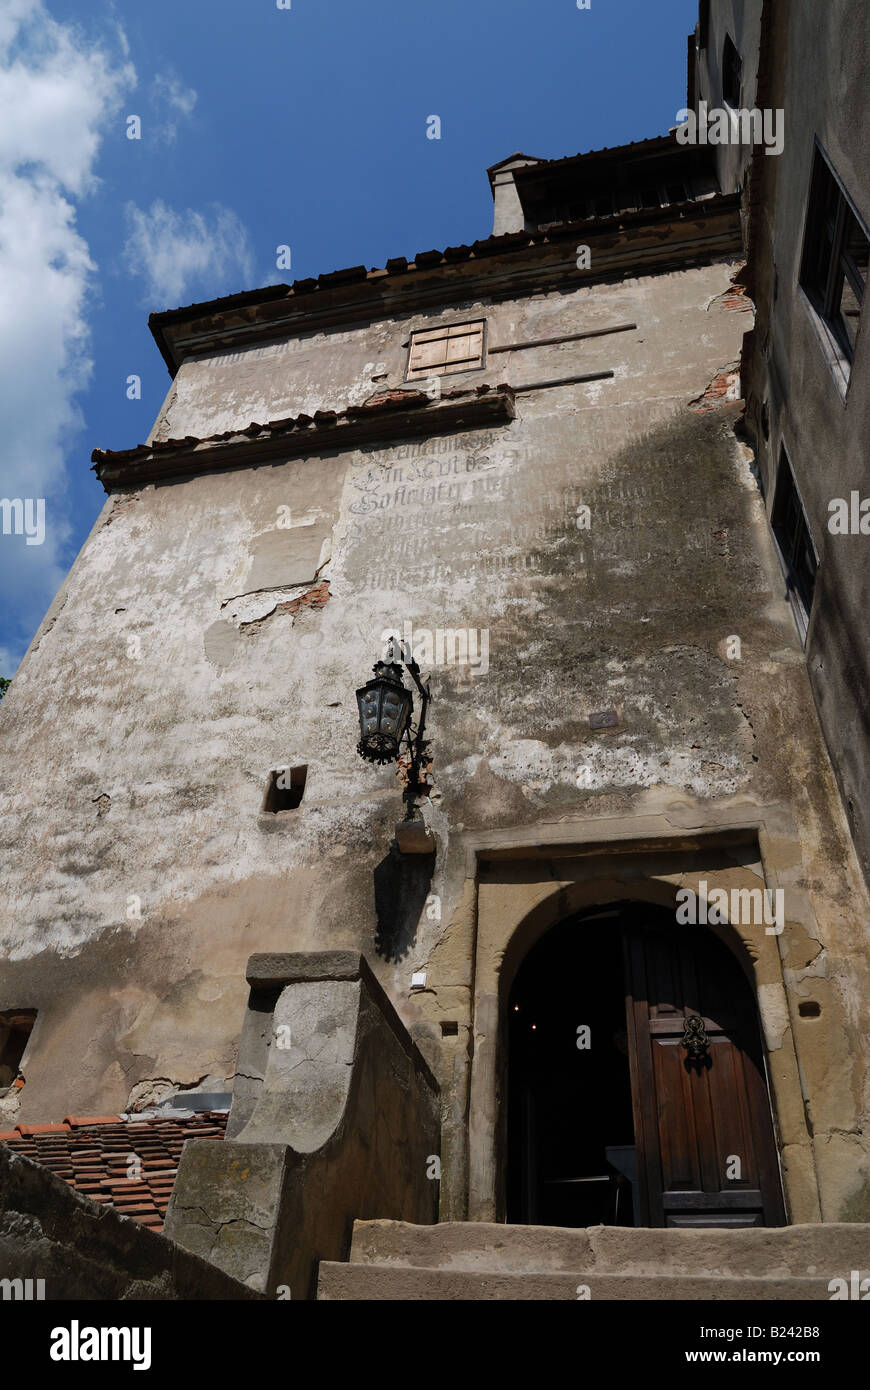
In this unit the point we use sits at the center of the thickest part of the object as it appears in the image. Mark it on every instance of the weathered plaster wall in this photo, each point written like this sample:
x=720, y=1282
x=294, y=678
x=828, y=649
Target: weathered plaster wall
x=198, y=644
x=820, y=74
x=741, y=21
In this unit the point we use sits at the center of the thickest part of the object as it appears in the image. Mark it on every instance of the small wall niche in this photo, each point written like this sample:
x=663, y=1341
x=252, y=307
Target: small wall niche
x=809, y=1008
x=285, y=789
x=16, y=1026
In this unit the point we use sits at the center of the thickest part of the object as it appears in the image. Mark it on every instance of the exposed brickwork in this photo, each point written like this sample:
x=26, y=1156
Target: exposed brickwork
x=723, y=390
x=736, y=300
x=93, y=1154
x=312, y=598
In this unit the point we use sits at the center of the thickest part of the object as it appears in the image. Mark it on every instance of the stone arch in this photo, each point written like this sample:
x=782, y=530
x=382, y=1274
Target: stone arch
x=588, y=897
x=519, y=900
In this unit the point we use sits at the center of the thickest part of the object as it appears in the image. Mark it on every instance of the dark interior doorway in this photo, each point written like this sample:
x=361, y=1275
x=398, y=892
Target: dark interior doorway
x=569, y=1093
x=637, y=1089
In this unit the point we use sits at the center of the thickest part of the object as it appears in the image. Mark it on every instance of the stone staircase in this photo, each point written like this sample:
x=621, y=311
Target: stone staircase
x=481, y=1260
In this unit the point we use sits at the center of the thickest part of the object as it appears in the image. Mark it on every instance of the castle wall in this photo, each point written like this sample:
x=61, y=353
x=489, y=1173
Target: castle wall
x=200, y=641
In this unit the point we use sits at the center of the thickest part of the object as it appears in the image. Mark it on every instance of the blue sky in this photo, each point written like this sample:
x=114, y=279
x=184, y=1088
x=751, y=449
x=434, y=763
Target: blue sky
x=260, y=127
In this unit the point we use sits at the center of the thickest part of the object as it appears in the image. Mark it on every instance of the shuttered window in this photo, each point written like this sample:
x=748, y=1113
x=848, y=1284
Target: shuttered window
x=440, y=351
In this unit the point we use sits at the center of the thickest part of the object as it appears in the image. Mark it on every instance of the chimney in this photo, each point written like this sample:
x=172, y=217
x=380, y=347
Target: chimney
x=508, y=213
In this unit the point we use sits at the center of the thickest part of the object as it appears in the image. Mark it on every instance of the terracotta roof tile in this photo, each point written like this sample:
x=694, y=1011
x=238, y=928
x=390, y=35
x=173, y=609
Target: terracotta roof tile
x=303, y=435
x=76, y=1121
x=92, y=1153
x=42, y=1129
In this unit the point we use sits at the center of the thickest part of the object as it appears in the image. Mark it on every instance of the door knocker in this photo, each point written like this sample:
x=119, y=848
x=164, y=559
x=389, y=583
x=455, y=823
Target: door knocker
x=696, y=1041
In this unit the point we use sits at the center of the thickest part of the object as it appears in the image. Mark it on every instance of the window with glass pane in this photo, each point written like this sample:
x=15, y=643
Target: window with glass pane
x=792, y=533
x=835, y=260
x=732, y=72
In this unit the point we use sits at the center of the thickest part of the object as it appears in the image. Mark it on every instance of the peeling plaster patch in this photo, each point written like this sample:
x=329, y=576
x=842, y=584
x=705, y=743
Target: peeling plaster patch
x=161, y=431
x=315, y=597
x=220, y=642
x=287, y=557
x=157, y=1090
x=615, y=765
x=10, y=1107
x=815, y=966
x=539, y=768
x=250, y=608
x=121, y=505
x=249, y=612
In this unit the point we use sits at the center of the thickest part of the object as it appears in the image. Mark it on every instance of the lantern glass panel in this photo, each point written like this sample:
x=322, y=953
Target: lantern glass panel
x=384, y=711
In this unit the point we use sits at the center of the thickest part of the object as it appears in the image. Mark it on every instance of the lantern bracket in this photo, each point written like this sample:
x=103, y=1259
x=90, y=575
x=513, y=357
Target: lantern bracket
x=417, y=745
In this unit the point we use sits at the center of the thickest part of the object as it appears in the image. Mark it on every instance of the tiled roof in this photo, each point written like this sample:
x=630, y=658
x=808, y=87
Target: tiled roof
x=93, y=1153
x=430, y=260
x=633, y=147
x=216, y=323
x=424, y=260
x=409, y=413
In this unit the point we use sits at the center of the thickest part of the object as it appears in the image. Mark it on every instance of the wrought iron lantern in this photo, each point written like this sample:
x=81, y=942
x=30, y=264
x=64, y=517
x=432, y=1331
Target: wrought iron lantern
x=386, y=708
x=385, y=705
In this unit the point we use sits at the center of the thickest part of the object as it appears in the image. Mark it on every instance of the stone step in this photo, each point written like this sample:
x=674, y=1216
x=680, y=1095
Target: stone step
x=397, y=1282
x=802, y=1252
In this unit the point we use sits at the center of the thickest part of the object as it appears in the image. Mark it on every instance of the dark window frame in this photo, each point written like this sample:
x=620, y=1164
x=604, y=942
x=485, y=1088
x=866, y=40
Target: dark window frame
x=732, y=73
x=827, y=266
x=794, y=542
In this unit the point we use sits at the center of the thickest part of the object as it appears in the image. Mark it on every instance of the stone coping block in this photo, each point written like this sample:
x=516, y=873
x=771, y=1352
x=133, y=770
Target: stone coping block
x=272, y=970
x=335, y=1116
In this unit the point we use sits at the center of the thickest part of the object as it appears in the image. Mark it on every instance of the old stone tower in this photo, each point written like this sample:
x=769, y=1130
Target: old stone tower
x=614, y=972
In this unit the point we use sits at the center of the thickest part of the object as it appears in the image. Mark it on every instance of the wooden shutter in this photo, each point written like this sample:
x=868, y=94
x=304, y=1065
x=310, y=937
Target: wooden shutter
x=437, y=351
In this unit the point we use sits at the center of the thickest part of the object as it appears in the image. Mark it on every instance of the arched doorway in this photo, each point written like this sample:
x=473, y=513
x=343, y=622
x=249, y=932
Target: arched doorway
x=637, y=1092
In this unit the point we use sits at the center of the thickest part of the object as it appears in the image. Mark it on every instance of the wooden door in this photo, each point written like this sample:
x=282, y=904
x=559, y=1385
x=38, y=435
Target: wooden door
x=706, y=1153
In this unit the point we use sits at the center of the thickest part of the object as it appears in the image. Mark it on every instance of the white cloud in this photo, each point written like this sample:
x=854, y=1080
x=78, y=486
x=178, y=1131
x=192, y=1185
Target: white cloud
x=57, y=94
x=171, y=98
x=175, y=251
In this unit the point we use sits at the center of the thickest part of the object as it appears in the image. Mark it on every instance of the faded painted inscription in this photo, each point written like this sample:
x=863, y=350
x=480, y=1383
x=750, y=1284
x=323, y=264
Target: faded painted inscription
x=434, y=473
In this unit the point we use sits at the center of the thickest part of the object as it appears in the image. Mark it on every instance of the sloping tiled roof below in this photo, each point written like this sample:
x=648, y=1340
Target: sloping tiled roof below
x=95, y=1154
x=398, y=414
